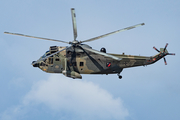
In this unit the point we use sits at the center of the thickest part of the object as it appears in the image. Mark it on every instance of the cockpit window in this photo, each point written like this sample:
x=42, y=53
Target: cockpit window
x=46, y=54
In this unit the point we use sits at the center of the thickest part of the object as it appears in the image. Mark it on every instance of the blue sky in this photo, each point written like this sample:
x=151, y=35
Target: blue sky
x=151, y=92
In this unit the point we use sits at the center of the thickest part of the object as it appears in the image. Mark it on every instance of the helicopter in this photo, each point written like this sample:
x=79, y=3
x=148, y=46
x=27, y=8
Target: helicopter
x=80, y=58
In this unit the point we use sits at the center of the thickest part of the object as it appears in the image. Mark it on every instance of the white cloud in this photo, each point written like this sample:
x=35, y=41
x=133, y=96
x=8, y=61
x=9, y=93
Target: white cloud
x=84, y=99
x=66, y=99
x=13, y=113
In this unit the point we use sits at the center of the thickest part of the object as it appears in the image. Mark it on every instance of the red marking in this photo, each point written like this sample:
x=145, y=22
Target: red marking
x=109, y=64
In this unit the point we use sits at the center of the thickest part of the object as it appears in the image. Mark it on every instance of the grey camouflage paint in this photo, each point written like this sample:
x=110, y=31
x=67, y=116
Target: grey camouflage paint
x=93, y=63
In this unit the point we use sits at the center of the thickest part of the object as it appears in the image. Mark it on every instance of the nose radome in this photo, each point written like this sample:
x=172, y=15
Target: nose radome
x=35, y=65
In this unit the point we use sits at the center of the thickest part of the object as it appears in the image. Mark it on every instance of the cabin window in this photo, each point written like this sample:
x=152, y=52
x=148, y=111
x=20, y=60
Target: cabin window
x=81, y=64
x=57, y=59
x=53, y=52
x=47, y=54
x=50, y=60
x=42, y=64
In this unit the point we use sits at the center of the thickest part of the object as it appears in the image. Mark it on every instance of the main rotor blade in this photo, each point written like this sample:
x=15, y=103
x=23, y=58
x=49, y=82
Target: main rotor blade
x=41, y=59
x=36, y=37
x=74, y=23
x=128, y=28
x=101, y=53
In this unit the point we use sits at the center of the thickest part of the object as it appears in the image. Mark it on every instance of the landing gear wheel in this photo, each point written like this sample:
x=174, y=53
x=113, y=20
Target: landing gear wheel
x=120, y=77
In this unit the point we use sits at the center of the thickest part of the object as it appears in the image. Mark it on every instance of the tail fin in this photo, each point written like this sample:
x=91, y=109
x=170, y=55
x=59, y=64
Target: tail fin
x=162, y=50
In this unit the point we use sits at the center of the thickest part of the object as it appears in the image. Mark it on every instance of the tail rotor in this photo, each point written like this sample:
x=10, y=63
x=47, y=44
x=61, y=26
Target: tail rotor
x=163, y=52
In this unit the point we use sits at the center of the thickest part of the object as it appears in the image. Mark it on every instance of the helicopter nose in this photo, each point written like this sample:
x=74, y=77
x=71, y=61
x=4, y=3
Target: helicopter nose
x=35, y=65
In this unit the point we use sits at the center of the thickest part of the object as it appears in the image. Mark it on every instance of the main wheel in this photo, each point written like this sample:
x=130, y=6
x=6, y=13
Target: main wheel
x=120, y=77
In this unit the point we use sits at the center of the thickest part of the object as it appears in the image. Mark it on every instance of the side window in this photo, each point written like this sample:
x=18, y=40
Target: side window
x=81, y=64
x=42, y=64
x=50, y=60
x=57, y=59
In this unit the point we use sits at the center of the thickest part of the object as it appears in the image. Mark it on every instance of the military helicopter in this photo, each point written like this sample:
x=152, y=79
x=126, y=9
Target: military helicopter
x=80, y=58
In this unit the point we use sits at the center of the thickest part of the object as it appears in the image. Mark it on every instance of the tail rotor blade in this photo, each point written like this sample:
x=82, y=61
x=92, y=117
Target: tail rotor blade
x=165, y=61
x=165, y=47
x=156, y=49
x=171, y=53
